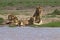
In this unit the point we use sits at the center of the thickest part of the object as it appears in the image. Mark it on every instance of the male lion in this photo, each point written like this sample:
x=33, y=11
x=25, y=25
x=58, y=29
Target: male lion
x=38, y=15
x=36, y=18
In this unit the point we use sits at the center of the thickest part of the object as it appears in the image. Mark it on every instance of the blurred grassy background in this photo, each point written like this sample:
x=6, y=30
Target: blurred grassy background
x=29, y=3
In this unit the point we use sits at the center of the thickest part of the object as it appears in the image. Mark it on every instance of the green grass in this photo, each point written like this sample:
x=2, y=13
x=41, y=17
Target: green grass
x=55, y=12
x=51, y=24
x=1, y=20
x=12, y=26
x=28, y=3
x=15, y=12
x=49, y=16
x=3, y=12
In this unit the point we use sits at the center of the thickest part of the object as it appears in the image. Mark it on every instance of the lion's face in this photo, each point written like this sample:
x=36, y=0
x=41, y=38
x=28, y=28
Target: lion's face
x=39, y=9
x=13, y=19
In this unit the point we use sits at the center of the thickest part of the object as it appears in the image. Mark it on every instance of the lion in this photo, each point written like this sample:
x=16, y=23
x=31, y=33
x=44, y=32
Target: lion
x=12, y=19
x=17, y=22
x=24, y=22
x=38, y=15
x=31, y=20
x=36, y=18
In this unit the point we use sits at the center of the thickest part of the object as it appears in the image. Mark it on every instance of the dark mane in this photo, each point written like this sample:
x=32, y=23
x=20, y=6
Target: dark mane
x=37, y=12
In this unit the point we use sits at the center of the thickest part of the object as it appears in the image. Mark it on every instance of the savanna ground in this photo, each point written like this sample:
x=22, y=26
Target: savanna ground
x=26, y=8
